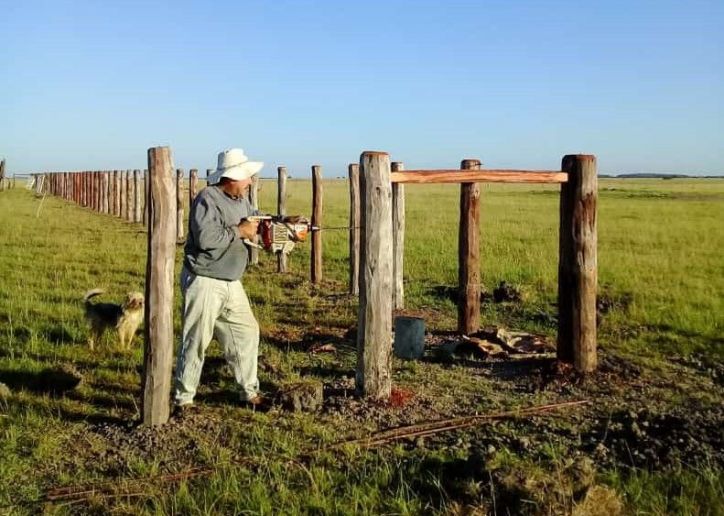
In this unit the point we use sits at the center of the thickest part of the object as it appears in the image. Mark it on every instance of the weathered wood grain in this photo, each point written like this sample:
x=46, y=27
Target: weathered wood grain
x=374, y=340
x=158, y=328
x=482, y=176
x=577, y=266
x=469, y=254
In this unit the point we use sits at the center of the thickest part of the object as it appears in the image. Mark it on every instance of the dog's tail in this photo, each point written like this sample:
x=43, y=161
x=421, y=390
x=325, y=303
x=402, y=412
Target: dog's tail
x=92, y=293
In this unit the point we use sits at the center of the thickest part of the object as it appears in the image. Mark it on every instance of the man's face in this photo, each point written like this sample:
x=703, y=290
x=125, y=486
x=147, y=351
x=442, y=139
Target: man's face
x=237, y=188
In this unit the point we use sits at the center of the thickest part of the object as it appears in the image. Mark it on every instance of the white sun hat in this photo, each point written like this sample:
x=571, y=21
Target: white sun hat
x=234, y=164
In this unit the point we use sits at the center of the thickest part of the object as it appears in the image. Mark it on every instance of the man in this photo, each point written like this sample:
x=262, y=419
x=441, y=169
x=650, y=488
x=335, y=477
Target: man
x=214, y=300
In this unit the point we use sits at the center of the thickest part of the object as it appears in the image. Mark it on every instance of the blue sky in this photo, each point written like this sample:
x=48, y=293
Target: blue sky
x=92, y=85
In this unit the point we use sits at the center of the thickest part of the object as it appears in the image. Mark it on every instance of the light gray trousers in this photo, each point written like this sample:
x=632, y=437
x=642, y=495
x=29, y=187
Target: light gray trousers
x=221, y=309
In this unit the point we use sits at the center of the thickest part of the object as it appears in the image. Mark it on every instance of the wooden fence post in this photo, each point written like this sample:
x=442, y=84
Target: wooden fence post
x=577, y=263
x=398, y=239
x=317, y=202
x=104, y=191
x=158, y=327
x=123, y=193
x=254, y=200
x=96, y=191
x=193, y=185
x=374, y=341
x=469, y=254
x=129, y=196
x=180, y=236
x=116, y=194
x=136, y=196
x=83, y=188
x=354, y=228
x=146, y=195
x=99, y=191
x=281, y=211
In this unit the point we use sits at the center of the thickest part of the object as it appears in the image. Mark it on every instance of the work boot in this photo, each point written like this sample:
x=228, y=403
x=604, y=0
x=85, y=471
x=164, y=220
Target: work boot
x=257, y=402
x=185, y=410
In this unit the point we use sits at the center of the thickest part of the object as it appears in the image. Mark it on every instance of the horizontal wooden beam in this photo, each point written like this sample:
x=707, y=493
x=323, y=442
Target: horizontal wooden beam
x=479, y=176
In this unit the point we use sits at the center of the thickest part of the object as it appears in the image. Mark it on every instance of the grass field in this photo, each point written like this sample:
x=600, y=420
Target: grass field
x=649, y=443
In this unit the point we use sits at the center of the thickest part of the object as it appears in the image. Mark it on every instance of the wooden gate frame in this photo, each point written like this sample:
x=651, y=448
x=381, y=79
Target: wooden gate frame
x=577, y=256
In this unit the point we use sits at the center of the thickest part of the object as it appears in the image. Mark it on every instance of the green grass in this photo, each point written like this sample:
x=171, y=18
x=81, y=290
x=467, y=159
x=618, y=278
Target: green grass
x=659, y=259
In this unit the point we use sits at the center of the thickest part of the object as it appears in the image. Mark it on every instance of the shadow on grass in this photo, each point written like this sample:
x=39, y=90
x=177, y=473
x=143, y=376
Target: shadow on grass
x=327, y=372
x=312, y=340
x=51, y=381
x=708, y=340
x=81, y=363
x=106, y=400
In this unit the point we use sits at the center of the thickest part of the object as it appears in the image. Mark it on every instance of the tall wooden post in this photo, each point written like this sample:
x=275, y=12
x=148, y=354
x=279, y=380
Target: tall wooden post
x=94, y=190
x=124, y=193
x=99, y=191
x=398, y=239
x=281, y=211
x=2, y=174
x=193, y=185
x=120, y=186
x=354, y=228
x=136, y=196
x=129, y=196
x=254, y=200
x=317, y=203
x=128, y=208
x=104, y=191
x=116, y=194
x=469, y=254
x=374, y=341
x=180, y=236
x=146, y=195
x=84, y=189
x=158, y=328
x=577, y=263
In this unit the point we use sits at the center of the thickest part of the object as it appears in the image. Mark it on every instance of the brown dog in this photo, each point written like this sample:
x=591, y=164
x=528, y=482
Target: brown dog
x=124, y=318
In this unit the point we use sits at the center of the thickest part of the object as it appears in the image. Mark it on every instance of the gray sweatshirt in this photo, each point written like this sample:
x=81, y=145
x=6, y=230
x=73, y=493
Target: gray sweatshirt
x=214, y=247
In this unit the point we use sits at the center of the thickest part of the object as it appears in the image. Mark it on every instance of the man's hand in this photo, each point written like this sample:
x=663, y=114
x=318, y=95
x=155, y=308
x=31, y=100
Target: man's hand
x=248, y=228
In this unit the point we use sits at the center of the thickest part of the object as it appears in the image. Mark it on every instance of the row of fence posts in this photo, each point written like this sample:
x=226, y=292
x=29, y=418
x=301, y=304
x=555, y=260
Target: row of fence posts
x=376, y=243
x=119, y=193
